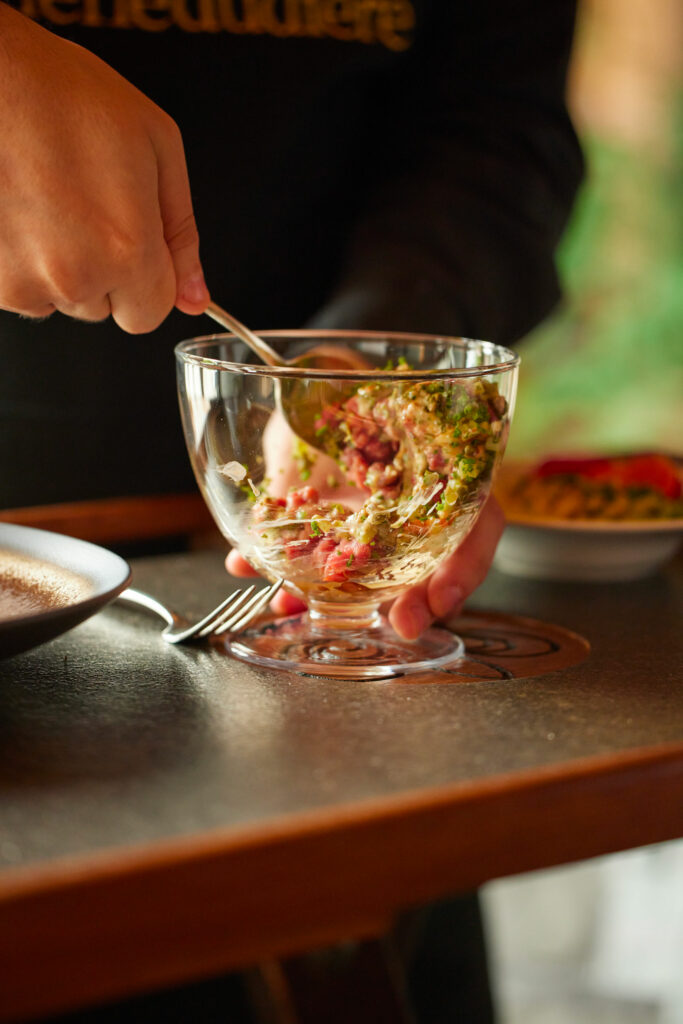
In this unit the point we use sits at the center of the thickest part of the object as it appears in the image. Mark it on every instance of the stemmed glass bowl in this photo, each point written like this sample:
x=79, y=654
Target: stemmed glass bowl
x=351, y=483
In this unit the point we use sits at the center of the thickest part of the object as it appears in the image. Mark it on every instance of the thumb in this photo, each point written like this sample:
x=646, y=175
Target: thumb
x=180, y=228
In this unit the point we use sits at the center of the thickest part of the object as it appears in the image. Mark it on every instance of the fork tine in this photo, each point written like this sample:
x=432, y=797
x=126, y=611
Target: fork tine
x=192, y=630
x=230, y=606
x=250, y=610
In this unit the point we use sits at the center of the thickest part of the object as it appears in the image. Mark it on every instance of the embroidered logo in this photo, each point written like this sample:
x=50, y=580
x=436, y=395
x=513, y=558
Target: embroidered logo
x=389, y=23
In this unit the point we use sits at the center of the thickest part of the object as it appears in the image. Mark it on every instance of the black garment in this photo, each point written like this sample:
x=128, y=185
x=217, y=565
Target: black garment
x=347, y=170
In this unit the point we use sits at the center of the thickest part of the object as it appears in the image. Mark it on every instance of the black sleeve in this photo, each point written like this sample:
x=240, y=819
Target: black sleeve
x=480, y=165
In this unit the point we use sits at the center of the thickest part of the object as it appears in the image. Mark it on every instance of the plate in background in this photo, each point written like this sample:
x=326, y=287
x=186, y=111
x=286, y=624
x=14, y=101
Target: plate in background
x=593, y=550
x=565, y=550
x=49, y=583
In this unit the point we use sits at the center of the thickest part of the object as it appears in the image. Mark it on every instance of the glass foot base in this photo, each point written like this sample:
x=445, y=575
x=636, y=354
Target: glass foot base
x=378, y=653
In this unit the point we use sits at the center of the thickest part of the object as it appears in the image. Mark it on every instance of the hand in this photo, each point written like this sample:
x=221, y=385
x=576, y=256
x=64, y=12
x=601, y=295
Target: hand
x=445, y=592
x=96, y=215
x=441, y=596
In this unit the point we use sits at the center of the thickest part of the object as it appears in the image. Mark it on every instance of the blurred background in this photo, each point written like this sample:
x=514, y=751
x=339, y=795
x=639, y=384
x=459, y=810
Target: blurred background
x=599, y=942
x=605, y=372
x=602, y=942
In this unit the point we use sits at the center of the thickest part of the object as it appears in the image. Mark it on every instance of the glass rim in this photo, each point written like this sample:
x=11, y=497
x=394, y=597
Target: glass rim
x=511, y=360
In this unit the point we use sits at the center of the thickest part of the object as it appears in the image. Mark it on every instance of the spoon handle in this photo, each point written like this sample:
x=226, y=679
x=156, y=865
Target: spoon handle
x=258, y=345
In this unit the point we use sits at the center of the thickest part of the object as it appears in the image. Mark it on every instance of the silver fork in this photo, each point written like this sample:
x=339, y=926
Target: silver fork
x=229, y=616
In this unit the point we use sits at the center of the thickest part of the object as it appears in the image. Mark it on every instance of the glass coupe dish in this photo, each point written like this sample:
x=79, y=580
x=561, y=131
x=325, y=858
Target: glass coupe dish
x=350, y=483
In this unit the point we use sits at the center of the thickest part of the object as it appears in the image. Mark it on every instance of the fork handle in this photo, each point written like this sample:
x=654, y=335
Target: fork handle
x=139, y=599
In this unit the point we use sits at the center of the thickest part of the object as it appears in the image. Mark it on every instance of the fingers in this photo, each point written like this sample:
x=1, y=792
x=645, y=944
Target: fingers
x=168, y=268
x=96, y=217
x=27, y=300
x=92, y=311
x=64, y=289
x=238, y=566
x=410, y=613
x=461, y=573
x=286, y=604
x=180, y=229
x=149, y=253
x=456, y=578
x=144, y=299
x=282, y=604
x=138, y=257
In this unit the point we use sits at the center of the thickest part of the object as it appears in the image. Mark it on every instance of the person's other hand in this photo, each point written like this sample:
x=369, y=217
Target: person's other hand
x=443, y=595
x=439, y=597
x=96, y=215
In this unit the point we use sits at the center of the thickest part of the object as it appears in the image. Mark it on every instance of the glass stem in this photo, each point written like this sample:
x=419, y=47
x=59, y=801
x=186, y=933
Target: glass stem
x=326, y=617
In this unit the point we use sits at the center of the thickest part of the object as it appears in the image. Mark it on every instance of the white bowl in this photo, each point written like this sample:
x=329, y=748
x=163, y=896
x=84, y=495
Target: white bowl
x=564, y=550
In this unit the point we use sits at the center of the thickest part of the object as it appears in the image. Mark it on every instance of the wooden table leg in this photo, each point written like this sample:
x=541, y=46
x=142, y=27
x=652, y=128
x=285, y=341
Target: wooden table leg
x=431, y=968
x=360, y=981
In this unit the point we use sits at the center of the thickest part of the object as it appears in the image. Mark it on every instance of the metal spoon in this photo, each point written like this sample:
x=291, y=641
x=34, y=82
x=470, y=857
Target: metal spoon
x=258, y=345
x=301, y=402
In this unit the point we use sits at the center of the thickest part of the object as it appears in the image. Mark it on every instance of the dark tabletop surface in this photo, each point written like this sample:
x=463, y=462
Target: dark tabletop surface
x=111, y=738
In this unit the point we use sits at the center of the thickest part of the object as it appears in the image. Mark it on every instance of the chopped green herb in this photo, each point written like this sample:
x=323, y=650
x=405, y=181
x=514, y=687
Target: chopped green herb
x=304, y=457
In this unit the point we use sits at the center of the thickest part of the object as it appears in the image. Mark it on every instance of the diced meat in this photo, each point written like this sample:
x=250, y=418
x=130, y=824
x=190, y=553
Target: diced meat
x=324, y=548
x=377, y=450
x=349, y=555
x=436, y=459
x=356, y=466
x=304, y=496
x=268, y=508
x=300, y=548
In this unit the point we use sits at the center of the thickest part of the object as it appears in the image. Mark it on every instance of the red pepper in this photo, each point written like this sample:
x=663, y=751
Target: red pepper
x=655, y=471
x=588, y=467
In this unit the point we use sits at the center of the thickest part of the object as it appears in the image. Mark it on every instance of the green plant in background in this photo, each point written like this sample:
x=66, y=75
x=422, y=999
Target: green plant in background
x=605, y=372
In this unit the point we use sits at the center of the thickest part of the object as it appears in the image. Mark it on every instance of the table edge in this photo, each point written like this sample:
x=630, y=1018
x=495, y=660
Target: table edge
x=180, y=910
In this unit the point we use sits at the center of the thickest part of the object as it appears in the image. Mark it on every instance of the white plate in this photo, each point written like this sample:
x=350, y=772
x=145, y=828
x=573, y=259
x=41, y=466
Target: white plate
x=49, y=583
x=557, y=549
x=593, y=550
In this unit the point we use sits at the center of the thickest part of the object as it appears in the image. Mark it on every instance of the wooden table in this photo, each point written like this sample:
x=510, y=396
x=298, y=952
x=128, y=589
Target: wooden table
x=169, y=813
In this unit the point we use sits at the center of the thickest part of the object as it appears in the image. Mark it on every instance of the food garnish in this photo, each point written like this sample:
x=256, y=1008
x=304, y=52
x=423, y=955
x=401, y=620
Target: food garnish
x=635, y=487
x=418, y=456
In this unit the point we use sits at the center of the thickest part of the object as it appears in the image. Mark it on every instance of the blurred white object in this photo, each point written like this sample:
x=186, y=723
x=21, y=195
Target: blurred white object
x=638, y=949
x=598, y=942
x=598, y=552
